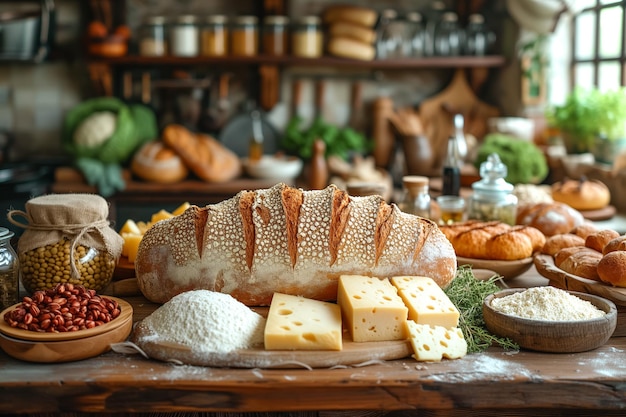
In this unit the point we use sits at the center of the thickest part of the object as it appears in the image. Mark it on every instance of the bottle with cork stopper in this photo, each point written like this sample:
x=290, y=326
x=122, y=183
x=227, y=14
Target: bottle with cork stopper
x=416, y=198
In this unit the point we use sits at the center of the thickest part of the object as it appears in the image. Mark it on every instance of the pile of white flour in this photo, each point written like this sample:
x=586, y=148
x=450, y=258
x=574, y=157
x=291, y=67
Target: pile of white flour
x=207, y=321
x=546, y=303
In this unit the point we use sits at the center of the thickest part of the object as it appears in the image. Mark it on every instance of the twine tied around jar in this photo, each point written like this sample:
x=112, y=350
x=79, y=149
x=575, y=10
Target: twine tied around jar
x=81, y=218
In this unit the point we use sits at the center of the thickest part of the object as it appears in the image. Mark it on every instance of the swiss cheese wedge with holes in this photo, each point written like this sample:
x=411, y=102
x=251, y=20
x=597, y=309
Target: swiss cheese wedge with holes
x=433, y=343
x=290, y=241
x=298, y=323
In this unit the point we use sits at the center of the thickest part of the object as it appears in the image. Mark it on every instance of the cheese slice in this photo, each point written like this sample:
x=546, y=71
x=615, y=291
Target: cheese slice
x=427, y=302
x=371, y=308
x=433, y=343
x=298, y=323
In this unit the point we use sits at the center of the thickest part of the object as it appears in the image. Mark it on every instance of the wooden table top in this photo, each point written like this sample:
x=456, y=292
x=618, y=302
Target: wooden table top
x=494, y=382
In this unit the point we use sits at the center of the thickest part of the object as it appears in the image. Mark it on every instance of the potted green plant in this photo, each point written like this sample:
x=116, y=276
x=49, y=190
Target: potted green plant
x=610, y=139
x=577, y=119
x=592, y=121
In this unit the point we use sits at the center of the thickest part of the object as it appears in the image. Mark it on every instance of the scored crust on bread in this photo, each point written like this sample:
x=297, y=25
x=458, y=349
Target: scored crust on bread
x=288, y=240
x=155, y=162
x=493, y=240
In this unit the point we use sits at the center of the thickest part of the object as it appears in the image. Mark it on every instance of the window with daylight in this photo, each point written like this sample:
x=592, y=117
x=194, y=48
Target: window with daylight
x=599, y=55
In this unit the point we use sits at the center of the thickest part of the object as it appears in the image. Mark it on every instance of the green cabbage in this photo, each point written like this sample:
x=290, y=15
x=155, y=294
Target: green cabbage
x=525, y=162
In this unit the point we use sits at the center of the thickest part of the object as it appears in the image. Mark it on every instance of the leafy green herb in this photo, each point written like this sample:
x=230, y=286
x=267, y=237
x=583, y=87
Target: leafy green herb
x=468, y=293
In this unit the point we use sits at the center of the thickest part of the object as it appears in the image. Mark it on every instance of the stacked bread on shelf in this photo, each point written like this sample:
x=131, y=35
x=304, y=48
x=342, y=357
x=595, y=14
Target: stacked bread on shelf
x=351, y=31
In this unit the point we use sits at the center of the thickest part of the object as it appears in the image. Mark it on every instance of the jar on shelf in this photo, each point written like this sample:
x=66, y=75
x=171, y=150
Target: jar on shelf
x=214, y=36
x=184, y=36
x=416, y=35
x=493, y=197
x=153, y=37
x=9, y=271
x=478, y=38
x=392, y=36
x=416, y=197
x=244, y=36
x=448, y=36
x=67, y=239
x=274, y=40
x=307, y=39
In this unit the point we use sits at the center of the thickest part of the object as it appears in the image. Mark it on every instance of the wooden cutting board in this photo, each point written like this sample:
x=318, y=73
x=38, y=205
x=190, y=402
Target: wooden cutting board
x=352, y=354
x=437, y=115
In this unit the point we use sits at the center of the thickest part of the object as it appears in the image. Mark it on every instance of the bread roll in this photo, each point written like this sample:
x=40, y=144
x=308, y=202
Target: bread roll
x=550, y=218
x=584, y=230
x=493, y=240
x=612, y=268
x=287, y=240
x=600, y=239
x=349, y=48
x=359, y=15
x=582, y=263
x=557, y=242
x=564, y=253
x=209, y=159
x=341, y=29
x=157, y=163
x=619, y=243
x=582, y=195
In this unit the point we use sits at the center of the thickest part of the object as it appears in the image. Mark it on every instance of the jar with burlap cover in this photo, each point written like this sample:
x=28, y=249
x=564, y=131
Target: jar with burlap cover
x=67, y=238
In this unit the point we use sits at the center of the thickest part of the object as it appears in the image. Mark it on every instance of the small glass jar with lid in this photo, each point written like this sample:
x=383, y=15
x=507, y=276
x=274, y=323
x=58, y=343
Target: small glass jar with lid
x=416, y=198
x=9, y=271
x=493, y=197
x=244, y=36
x=153, y=37
x=214, y=36
x=307, y=40
x=274, y=40
x=184, y=36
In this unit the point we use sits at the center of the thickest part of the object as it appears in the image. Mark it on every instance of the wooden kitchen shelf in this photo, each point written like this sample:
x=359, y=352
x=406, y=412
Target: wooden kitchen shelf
x=286, y=61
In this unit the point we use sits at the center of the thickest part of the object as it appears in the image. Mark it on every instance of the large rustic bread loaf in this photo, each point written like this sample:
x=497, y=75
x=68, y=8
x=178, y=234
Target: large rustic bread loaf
x=287, y=240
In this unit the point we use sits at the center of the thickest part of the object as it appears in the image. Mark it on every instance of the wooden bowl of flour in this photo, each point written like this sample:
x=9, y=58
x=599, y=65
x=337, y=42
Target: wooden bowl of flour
x=552, y=335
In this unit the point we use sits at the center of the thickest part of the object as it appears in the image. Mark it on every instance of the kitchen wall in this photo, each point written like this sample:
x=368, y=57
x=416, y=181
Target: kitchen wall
x=34, y=98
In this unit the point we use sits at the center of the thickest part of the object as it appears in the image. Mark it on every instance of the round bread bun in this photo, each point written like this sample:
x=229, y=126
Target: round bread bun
x=557, y=242
x=155, y=162
x=612, y=268
x=600, y=239
x=619, y=243
x=584, y=230
x=550, y=218
x=582, y=195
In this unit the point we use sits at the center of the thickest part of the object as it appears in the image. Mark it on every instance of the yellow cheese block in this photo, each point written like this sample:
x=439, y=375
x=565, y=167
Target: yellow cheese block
x=131, y=245
x=427, y=302
x=433, y=343
x=372, y=308
x=298, y=323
